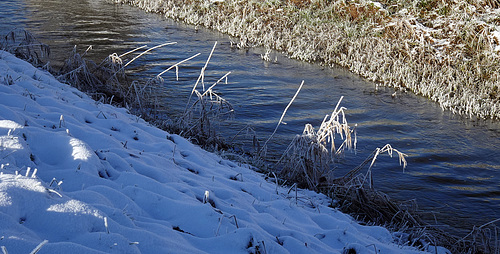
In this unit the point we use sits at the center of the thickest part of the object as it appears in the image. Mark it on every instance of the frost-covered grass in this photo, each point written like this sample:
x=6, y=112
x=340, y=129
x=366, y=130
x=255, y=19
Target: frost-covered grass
x=92, y=178
x=447, y=51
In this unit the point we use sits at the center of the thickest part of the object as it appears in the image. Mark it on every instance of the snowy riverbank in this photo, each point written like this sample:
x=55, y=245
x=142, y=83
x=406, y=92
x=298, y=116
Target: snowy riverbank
x=91, y=178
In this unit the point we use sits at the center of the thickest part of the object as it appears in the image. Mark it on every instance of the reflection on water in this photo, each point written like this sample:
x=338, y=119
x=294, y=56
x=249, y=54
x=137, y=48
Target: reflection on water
x=453, y=163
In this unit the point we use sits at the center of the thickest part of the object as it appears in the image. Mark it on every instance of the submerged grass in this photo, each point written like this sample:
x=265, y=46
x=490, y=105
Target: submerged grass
x=447, y=51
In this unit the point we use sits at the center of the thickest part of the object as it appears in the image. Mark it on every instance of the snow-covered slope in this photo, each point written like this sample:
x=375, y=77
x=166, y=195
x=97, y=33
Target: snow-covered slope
x=91, y=178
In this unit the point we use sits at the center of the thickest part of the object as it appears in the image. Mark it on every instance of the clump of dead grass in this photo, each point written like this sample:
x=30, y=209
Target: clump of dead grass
x=205, y=109
x=24, y=45
x=308, y=158
x=108, y=82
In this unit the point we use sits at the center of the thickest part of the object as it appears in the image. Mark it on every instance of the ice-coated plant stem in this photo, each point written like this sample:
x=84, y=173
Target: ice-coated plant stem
x=106, y=224
x=206, y=197
x=284, y=112
x=37, y=248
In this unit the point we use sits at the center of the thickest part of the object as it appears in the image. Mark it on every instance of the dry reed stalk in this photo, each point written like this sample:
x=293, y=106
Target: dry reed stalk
x=176, y=66
x=359, y=180
x=283, y=114
x=132, y=51
x=198, y=120
x=386, y=149
x=487, y=234
x=146, y=51
x=202, y=75
x=121, y=69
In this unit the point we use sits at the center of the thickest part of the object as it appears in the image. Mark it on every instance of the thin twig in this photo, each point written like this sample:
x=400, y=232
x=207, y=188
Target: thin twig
x=284, y=112
x=177, y=64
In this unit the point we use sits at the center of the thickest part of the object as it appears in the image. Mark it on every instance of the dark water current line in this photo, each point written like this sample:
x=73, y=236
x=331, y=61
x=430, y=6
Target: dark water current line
x=453, y=164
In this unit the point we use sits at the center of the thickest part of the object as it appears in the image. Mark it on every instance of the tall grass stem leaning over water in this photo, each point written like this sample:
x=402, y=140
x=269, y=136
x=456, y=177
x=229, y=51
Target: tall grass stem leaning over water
x=201, y=117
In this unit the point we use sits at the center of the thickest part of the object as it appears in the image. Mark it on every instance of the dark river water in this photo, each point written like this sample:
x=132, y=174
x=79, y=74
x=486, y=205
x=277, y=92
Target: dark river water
x=453, y=162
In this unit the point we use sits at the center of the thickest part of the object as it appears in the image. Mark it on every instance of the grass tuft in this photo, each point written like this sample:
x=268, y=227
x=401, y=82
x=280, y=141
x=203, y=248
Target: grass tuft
x=24, y=45
x=308, y=158
x=200, y=119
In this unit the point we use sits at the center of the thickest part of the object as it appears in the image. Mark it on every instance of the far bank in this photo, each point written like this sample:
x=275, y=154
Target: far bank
x=447, y=52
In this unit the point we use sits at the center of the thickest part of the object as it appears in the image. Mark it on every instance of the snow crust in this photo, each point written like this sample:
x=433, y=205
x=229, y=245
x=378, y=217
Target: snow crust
x=91, y=178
